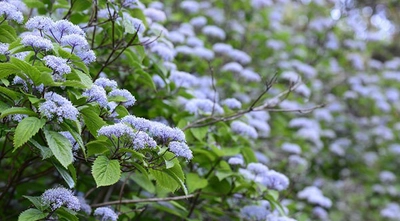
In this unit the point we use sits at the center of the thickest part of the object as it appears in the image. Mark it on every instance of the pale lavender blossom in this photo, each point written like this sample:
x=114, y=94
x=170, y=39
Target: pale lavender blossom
x=158, y=81
x=387, y=177
x=17, y=117
x=291, y=148
x=296, y=161
x=27, y=84
x=240, y=56
x=106, y=214
x=259, y=4
x=244, y=129
x=222, y=48
x=96, y=94
x=250, y=75
x=214, y=31
x=142, y=140
x=194, y=42
x=175, y=37
x=314, y=196
x=190, y=6
x=232, y=103
x=275, y=180
x=236, y=160
x=40, y=23
x=391, y=211
x=37, y=42
x=165, y=134
x=85, y=207
x=155, y=14
x=87, y=56
x=257, y=169
x=4, y=48
x=199, y=21
x=130, y=99
x=320, y=213
x=58, y=64
x=254, y=212
x=203, y=53
x=58, y=197
x=164, y=51
x=106, y=83
x=183, y=79
x=58, y=107
x=138, y=123
x=202, y=106
x=118, y=130
x=184, y=49
x=180, y=149
x=62, y=28
x=11, y=12
x=75, y=41
x=232, y=67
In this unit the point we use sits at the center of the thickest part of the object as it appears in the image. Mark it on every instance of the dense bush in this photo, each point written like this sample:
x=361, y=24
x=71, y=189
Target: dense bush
x=197, y=110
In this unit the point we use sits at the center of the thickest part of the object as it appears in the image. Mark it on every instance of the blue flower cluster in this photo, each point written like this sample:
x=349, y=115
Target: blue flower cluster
x=57, y=107
x=270, y=178
x=58, y=197
x=106, y=214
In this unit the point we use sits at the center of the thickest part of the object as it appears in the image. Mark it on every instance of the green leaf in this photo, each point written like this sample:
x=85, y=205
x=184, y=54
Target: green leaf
x=199, y=133
x=18, y=110
x=9, y=93
x=81, y=5
x=144, y=181
x=145, y=78
x=248, y=155
x=60, y=146
x=7, y=69
x=31, y=71
x=194, y=182
x=37, y=202
x=26, y=129
x=31, y=215
x=66, y=214
x=34, y=4
x=164, y=180
x=92, y=120
x=7, y=33
x=97, y=147
x=44, y=151
x=65, y=175
x=106, y=172
x=75, y=135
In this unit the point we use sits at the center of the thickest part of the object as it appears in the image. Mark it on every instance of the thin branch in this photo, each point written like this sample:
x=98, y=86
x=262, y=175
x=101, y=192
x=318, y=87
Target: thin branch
x=143, y=200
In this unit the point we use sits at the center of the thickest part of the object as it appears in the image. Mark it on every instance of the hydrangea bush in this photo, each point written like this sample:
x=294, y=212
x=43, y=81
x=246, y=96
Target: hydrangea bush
x=197, y=110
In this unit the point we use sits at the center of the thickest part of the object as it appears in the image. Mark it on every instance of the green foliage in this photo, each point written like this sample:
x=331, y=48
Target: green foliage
x=105, y=172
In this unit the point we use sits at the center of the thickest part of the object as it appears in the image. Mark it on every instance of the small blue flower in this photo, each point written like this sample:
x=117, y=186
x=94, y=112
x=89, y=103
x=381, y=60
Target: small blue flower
x=130, y=99
x=180, y=149
x=106, y=214
x=96, y=94
x=58, y=64
x=142, y=140
x=244, y=129
x=58, y=106
x=37, y=42
x=39, y=23
x=60, y=196
x=87, y=56
x=10, y=12
x=106, y=83
x=118, y=130
x=75, y=41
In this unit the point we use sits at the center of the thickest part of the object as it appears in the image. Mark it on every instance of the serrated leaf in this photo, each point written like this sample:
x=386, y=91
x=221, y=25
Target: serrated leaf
x=17, y=110
x=32, y=215
x=194, y=182
x=92, y=120
x=37, y=202
x=143, y=181
x=164, y=180
x=65, y=175
x=60, y=147
x=106, y=172
x=44, y=151
x=66, y=214
x=26, y=129
x=7, y=69
x=97, y=147
x=31, y=71
x=199, y=133
x=7, y=33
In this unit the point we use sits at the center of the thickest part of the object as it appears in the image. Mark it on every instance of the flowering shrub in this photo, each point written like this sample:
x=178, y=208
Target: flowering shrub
x=197, y=110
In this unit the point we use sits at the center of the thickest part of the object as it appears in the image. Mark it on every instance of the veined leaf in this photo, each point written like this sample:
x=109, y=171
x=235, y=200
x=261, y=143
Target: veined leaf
x=92, y=120
x=65, y=175
x=32, y=215
x=106, y=172
x=26, y=129
x=17, y=110
x=60, y=146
